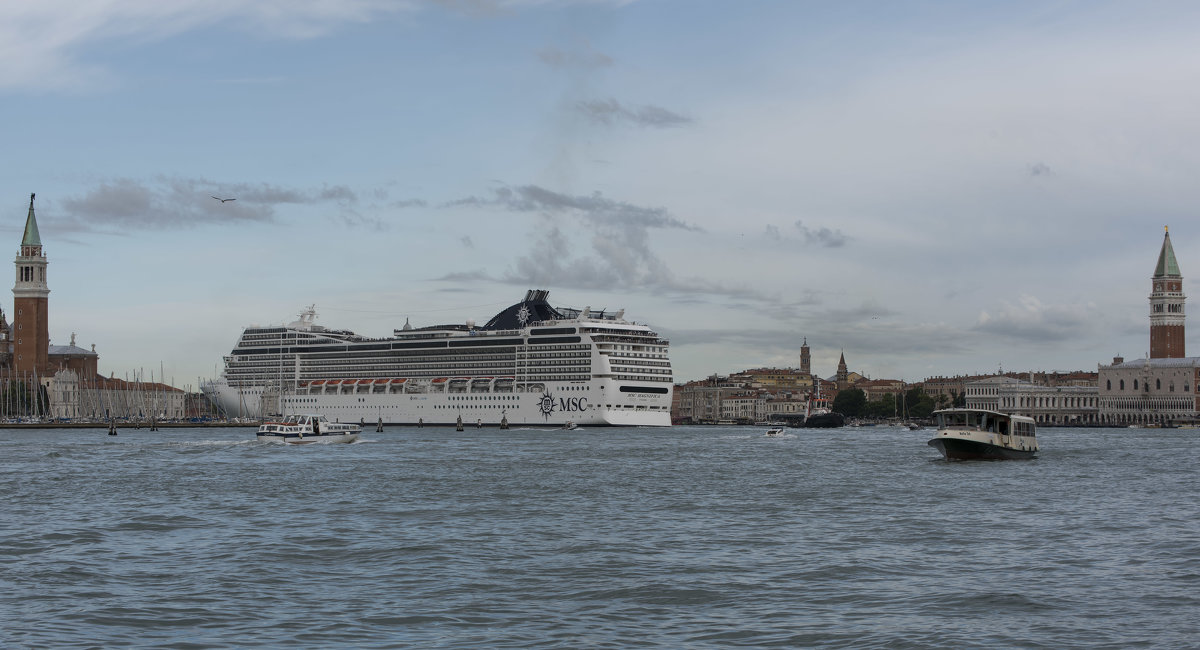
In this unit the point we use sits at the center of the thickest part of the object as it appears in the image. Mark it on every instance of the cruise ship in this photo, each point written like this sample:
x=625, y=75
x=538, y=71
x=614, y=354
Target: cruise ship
x=531, y=364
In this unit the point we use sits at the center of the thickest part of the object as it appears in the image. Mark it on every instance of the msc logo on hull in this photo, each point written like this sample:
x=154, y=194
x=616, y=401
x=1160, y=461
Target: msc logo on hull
x=547, y=405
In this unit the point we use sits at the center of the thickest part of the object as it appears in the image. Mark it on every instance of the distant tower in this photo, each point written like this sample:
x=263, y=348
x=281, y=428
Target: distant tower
x=843, y=373
x=31, y=324
x=1166, y=305
x=805, y=359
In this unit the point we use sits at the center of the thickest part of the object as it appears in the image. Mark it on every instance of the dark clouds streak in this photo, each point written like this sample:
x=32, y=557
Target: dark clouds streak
x=612, y=112
x=174, y=203
x=596, y=243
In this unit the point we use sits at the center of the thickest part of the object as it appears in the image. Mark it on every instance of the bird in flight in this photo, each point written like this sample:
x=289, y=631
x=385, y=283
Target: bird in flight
x=221, y=199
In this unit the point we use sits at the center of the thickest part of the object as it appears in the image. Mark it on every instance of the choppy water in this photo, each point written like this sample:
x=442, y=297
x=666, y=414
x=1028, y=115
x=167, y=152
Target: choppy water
x=686, y=537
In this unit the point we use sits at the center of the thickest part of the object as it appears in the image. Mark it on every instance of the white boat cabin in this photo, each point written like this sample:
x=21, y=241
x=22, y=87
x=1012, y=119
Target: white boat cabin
x=987, y=421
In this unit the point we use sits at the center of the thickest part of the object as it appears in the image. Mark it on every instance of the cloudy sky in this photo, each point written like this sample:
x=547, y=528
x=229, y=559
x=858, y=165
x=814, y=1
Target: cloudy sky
x=933, y=187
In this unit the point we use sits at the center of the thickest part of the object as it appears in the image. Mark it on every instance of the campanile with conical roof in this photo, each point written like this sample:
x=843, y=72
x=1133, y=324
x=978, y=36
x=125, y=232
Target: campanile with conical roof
x=1166, y=305
x=31, y=322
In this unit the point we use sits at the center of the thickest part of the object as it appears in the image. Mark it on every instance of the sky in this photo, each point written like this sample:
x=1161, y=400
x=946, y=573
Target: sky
x=931, y=188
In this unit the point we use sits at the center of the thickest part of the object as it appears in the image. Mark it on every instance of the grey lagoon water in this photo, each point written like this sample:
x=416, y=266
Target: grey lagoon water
x=681, y=537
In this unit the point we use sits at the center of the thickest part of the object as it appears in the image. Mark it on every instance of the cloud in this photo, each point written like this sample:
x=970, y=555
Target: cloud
x=594, y=242
x=594, y=207
x=169, y=203
x=44, y=43
x=1031, y=321
x=471, y=277
x=611, y=112
x=1040, y=169
x=822, y=236
x=475, y=8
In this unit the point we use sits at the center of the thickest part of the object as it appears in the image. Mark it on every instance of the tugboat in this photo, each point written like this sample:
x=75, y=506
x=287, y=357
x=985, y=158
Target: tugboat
x=819, y=416
x=980, y=434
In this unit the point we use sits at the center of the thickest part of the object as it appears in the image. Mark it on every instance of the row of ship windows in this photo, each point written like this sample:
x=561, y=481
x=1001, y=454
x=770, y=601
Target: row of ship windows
x=402, y=369
x=611, y=349
x=541, y=350
x=419, y=406
x=275, y=361
x=406, y=358
x=274, y=364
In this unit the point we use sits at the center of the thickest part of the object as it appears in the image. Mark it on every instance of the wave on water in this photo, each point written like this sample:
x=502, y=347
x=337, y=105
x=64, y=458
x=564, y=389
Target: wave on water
x=214, y=443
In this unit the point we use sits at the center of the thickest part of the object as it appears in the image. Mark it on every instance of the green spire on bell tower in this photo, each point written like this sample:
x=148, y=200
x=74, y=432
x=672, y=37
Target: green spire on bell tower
x=1167, y=267
x=32, y=237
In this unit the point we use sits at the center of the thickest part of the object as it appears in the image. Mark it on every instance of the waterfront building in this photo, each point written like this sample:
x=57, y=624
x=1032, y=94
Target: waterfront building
x=1071, y=405
x=1161, y=389
x=700, y=401
x=774, y=378
x=875, y=389
x=107, y=398
x=985, y=393
x=786, y=405
x=1149, y=391
x=744, y=407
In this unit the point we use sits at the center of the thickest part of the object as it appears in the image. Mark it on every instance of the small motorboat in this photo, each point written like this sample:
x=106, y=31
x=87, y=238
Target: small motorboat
x=775, y=431
x=570, y=426
x=307, y=429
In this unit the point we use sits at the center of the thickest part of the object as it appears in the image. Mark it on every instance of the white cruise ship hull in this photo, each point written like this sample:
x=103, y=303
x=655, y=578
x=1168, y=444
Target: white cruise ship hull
x=244, y=402
x=530, y=365
x=438, y=409
x=581, y=404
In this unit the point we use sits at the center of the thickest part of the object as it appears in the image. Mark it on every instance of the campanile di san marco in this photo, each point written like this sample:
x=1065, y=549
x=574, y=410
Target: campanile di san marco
x=1166, y=306
x=31, y=322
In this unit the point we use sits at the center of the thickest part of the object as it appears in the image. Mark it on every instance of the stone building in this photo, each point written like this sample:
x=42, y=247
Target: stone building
x=1161, y=389
x=985, y=393
x=1051, y=405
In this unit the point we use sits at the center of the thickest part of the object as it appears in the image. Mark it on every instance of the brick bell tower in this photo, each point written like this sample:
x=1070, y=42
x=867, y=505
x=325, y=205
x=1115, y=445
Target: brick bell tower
x=31, y=323
x=1166, y=305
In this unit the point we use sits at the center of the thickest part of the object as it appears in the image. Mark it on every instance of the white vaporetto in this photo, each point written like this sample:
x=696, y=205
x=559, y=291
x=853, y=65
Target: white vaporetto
x=530, y=365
